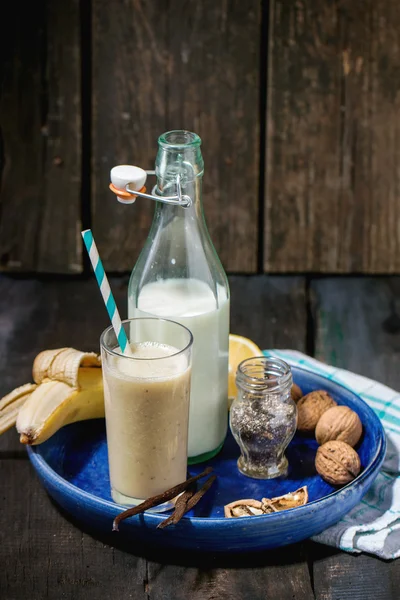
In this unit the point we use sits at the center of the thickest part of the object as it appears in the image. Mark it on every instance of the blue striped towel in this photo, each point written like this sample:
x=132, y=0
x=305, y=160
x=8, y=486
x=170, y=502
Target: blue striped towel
x=374, y=524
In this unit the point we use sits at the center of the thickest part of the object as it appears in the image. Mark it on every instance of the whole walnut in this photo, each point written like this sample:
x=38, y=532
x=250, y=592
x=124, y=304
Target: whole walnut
x=296, y=392
x=311, y=408
x=337, y=462
x=339, y=423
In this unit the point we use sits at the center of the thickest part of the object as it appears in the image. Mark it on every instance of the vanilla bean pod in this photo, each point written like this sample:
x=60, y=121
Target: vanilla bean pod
x=159, y=499
x=191, y=502
x=198, y=496
x=180, y=506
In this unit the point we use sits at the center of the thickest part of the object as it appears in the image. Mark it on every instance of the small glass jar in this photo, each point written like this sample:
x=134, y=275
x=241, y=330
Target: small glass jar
x=263, y=416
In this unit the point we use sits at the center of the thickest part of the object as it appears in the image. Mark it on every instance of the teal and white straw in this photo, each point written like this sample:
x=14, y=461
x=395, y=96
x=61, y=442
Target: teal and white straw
x=105, y=290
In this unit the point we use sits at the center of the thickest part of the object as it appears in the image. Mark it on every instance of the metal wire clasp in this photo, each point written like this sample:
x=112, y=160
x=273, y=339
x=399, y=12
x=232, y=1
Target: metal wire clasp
x=129, y=195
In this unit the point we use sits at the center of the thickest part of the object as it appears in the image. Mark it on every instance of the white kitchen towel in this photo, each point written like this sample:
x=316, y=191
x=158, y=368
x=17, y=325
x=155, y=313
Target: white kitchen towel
x=374, y=524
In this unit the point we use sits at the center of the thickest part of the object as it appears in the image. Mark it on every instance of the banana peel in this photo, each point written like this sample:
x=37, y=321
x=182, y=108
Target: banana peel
x=10, y=405
x=68, y=387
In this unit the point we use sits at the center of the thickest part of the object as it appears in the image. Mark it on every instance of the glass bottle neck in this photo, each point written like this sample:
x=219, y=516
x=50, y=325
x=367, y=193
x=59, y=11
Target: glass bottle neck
x=179, y=164
x=192, y=189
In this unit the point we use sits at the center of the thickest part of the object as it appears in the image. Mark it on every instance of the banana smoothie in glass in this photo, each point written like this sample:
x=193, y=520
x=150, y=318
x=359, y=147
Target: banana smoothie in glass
x=147, y=408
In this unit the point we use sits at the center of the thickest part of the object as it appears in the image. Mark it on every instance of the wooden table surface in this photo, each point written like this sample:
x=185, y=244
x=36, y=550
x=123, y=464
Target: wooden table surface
x=350, y=322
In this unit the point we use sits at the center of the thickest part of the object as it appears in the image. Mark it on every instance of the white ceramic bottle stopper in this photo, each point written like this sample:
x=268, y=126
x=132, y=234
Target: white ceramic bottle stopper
x=121, y=175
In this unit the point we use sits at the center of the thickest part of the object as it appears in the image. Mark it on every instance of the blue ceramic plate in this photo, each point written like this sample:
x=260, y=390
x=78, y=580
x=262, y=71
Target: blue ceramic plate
x=73, y=467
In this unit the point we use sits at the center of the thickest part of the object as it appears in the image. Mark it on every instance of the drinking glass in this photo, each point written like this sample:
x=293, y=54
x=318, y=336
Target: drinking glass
x=147, y=408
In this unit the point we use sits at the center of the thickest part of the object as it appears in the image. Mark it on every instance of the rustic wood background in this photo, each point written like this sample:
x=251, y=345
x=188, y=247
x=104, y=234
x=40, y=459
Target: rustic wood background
x=298, y=105
x=297, y=102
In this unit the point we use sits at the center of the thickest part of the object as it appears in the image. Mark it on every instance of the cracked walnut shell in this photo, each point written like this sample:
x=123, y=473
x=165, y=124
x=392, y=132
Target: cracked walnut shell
x=243, y=508
x=290, y=500
x=250, y=507
x=337, y=462
x=339, y=423
x=311, y=408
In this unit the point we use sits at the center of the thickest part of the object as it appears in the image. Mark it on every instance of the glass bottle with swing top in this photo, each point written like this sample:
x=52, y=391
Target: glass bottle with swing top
x=179, y=276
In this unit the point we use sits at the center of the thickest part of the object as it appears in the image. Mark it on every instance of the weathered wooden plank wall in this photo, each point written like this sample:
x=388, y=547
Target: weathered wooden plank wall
x=333, y=137
x=331, y=132
x=40, y=141
x=194, y=66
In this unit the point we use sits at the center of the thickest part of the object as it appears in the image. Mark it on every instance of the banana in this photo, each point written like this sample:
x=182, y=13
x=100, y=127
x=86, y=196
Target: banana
x=10, y=405
x=68, y=388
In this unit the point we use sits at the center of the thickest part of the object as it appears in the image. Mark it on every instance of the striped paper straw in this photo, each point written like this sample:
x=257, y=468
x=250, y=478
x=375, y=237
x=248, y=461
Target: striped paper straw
x=105, y=290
